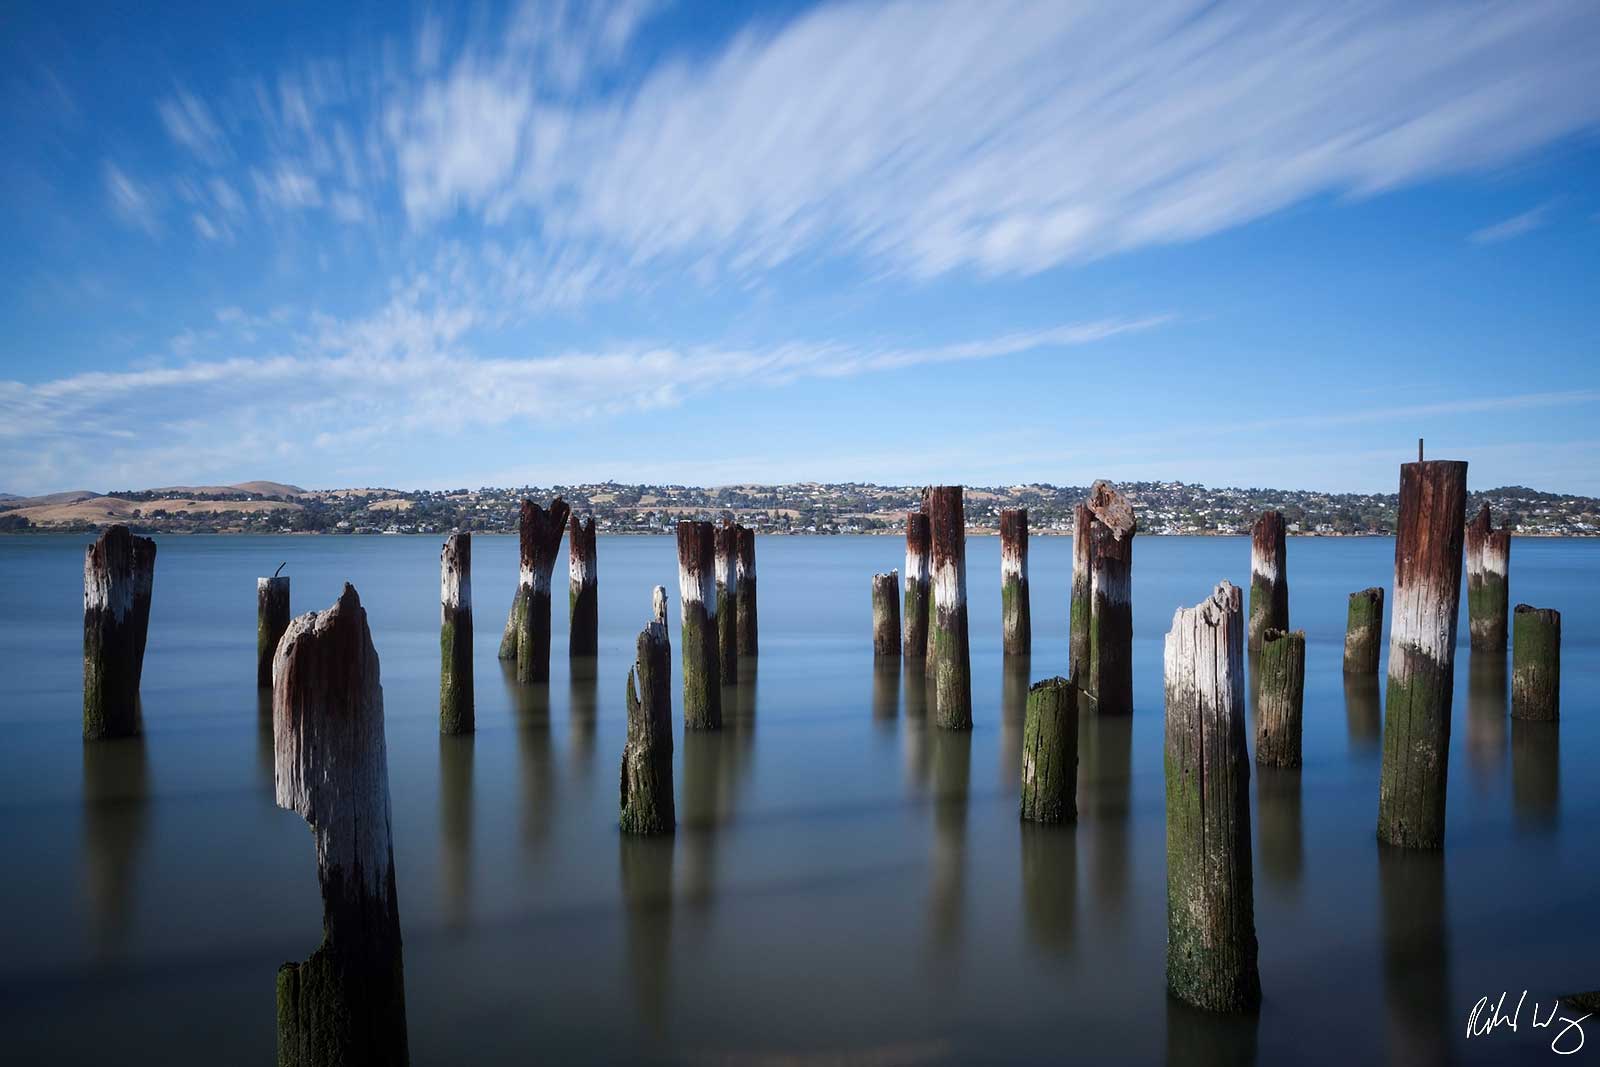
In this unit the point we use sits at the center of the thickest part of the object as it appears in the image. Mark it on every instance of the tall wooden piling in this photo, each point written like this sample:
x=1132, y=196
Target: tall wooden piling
x=1488, y=568
x=886, y=615
x=346, y=1004
x=1422, y=649
x=456, y=704
x=118, y=575
x=272, y=618
x=1211, y=935
x=1016, y=622
x=744, y=574
x=952, y=663
x=1082, y=604
x=1050, y=752
x=583, y=588
x=1111, y=531
x=917, y=585
x=702, y=676
x=647, y=804
x=1269, y=577
x=540, y=538
x=1281, y=698
x=725, y=542
x=1363, y=631
x=1536, y=664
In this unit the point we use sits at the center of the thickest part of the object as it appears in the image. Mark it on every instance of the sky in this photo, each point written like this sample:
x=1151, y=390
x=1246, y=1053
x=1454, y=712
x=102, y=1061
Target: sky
x=1244, y=244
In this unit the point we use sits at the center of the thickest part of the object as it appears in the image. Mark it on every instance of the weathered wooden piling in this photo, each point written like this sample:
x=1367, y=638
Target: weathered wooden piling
x=272, y=618
x=952, y=663
x=725, y=541
x=1016, y=621
x=1269, y=577
x=744, y=574
x=346, y=1004
x=886, y=615
x=1211, y=936
x=1488, y=569
x=702, y=676
x=583, y=588
x=1050, y=752
x=917, y=585
x=1422, y=649
x=118, y=574
x=647, y=804
x=1363, y=631
x=1280, y=698
x=1536, y=664
x=456, y=705
x=1111, y=530
x=540, y=536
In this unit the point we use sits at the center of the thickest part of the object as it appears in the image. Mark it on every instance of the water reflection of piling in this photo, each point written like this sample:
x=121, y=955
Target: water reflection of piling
x=1486, y=717
x=582, y=709
x=915, y=734
x=1105, y=779
x=885, y=690
x=1363, y=712
x=455, y=826
x=264, y=753
x=1014, y=673
x=1536, y=772
x=1279, y=825
x=1198, y=1038
x=645, y=866
x=1416, y=955
x=1050, y=886
x=116, y=803
x=707, y=806
x=952, y=774
x=530, y=708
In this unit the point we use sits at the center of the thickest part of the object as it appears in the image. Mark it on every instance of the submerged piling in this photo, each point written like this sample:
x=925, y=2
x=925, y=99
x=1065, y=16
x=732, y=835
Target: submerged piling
x=1111, y=531
x=456, y=709
x=118, y=574
x=1422, y=648
x=647, y=804
x=1050, y=752
x=1269, y=577
x=949, y=652
x=1363, y=631
x=583, y=588
x=1536, y=664
x=272, y=618
x=917, y=585
x=886, y=615
x=346, y=1004
x=744, y=574
x=1211, y=935
x=1488, y=568
x=702, y=676
x=725, y=541
x=1016, y=623
x=1081, y=606
x=1280, y=698
x=540, y=538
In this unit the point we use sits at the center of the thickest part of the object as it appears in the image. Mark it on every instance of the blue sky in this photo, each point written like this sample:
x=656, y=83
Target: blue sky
x=1243, y=244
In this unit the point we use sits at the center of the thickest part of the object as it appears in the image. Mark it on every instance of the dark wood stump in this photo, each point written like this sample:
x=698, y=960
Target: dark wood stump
x=1280, y=698
x=346, y=1004
x=272, y=618
x=1363, y=631
x=540, y=536
x=1536, y=664
x=1422, y=652
x=647, y=804
x=1488, y=570
x=886, y=615
x=952, y=663
x=456, y=705
x=1050, y=752
x=918, y=550
x=118, y=575
x=725, y=541
x=1211, y=934
x=745, y=576
x=583, y=588
x=1111, y=530
x=697, y=590
x=1016, y=621
x=1269, y=577
x=1082, y=603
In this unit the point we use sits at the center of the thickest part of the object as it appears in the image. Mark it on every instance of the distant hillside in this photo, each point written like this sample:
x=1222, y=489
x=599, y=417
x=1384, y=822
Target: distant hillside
x=100, y=510
x=69, y=497
x=257, y=488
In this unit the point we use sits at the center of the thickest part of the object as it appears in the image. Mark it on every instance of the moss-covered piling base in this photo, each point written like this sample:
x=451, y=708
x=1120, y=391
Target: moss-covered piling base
x=1050, y=752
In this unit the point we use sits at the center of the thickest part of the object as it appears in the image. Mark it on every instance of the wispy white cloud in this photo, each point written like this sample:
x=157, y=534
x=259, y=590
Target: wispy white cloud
x=190, y=124
x=130, y=201
x=1515, y=226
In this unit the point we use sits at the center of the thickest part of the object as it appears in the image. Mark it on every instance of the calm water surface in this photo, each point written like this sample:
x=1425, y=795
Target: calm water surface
x=846, y=884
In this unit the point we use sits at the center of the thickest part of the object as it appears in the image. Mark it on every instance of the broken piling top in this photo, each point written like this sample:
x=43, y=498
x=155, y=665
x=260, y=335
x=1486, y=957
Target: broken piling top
x=118, y=576
x=646, y=801
x=581, y=561
x=658, y=604
x=272, y=618
x=455, y=573
x=1204, y=653
x=539, y=532
x=1112, y=510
